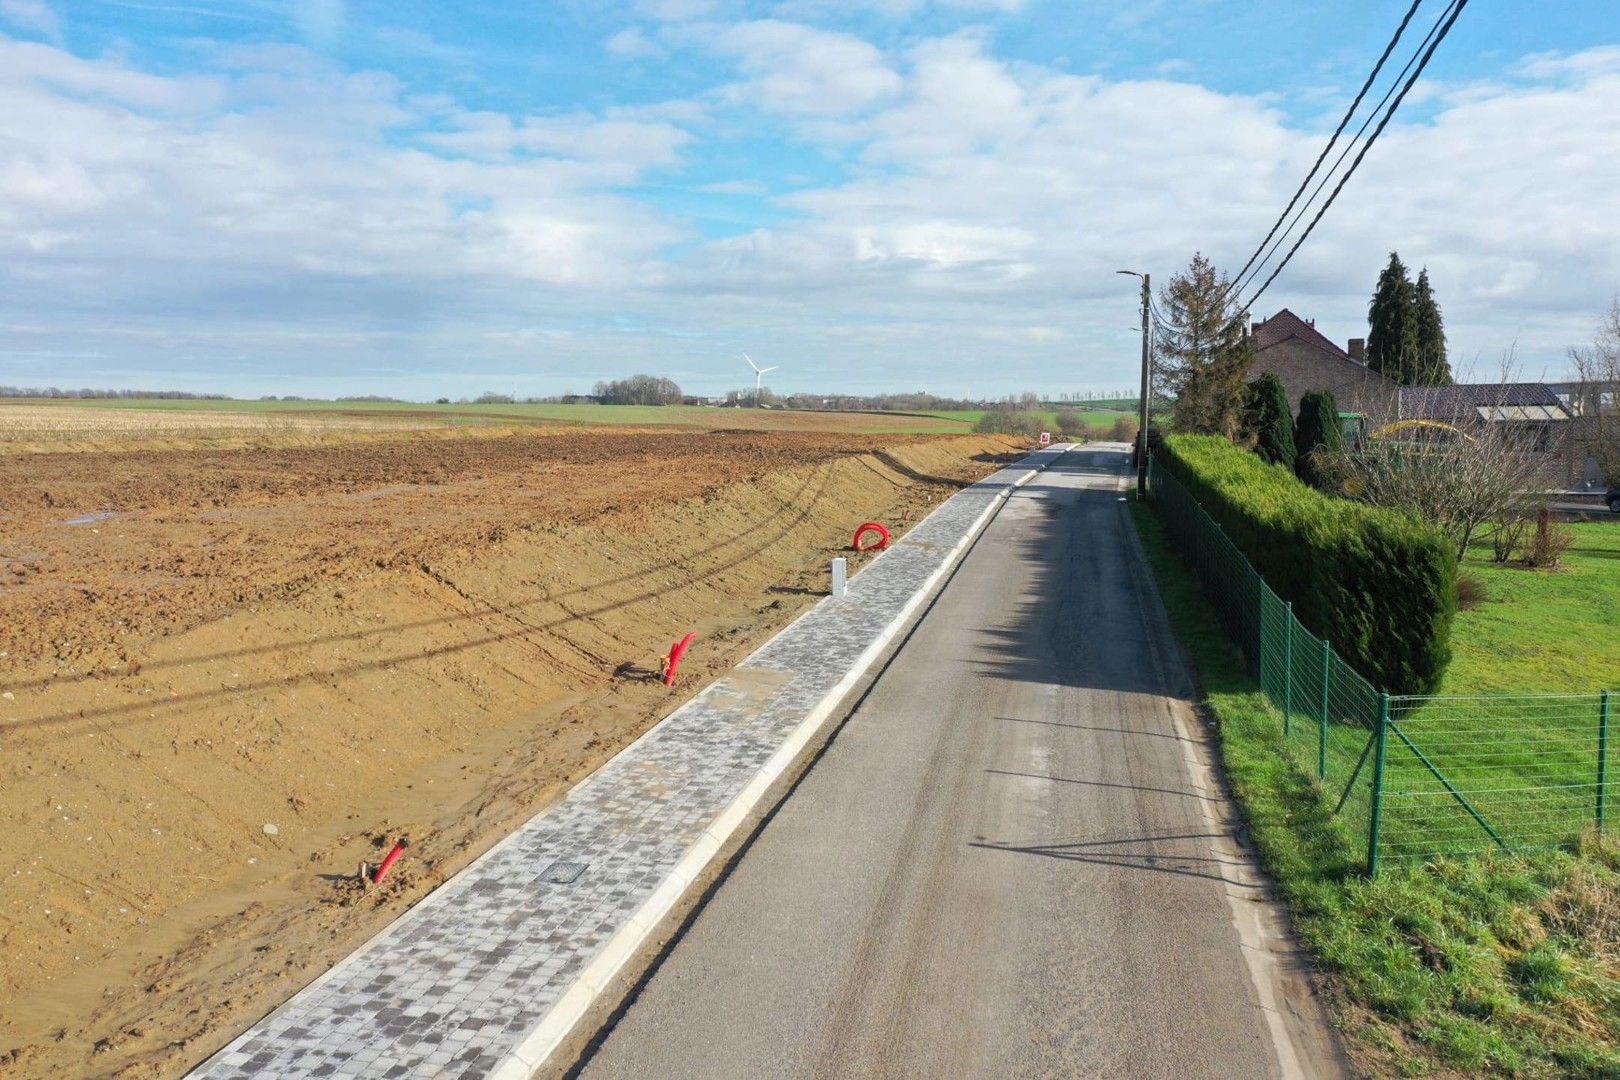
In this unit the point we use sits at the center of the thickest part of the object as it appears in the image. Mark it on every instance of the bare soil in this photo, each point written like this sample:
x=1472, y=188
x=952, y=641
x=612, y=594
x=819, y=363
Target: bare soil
x=231, y=676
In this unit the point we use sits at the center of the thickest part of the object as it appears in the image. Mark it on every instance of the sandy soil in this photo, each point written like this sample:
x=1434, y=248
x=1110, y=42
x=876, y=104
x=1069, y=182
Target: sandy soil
x=231, y=676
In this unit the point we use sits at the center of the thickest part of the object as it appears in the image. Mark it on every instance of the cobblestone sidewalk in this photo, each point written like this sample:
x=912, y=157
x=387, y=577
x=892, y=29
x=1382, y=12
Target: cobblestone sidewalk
x=489, y=973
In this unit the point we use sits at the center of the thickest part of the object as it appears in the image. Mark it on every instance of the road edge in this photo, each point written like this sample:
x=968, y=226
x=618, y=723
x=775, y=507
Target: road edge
x=532, y=1055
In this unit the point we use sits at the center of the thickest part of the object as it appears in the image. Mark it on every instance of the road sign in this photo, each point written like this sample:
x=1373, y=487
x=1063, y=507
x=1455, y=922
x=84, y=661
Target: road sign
x=1046, y=438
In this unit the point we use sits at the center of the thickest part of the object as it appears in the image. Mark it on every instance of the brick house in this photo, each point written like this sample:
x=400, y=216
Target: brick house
x=1303, y=359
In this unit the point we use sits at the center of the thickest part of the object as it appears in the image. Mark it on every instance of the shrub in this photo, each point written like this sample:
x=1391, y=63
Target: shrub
x=1470, y=591
x=1268, y=420
x=1380, y=586
x=1548, y=543
x=1508, y=527
x=1319, y=441
x=1008, y=422
x=1124, y=429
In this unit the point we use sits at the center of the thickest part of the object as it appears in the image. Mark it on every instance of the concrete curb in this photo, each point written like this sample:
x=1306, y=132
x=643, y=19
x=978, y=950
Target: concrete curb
x=531, y=1055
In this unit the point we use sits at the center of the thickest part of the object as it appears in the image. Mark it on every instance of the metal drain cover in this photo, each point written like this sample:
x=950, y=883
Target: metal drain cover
x=563, y=873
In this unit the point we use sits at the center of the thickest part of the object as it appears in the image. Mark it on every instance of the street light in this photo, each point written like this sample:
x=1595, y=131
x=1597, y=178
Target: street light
x=1147, y=360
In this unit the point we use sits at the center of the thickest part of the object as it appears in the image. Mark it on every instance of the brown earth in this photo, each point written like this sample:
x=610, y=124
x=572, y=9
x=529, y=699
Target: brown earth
x=241, y=673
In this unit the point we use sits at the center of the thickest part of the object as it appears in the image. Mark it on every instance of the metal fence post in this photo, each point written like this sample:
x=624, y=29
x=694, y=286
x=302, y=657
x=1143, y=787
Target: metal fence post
x=1288, y=665
x=1378, y=786
x=1603, y=755
x=1321, y=742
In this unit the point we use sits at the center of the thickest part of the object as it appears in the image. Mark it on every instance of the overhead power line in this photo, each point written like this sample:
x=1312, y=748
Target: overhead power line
x=1239, y=283
x=1372, y=77
x=1449, y=18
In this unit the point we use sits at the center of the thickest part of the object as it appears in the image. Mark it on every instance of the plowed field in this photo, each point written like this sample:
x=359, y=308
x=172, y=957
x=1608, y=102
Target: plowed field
x=231, y=675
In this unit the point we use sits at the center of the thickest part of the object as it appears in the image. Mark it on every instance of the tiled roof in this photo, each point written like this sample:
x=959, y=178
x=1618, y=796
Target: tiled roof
x=1284, y=325
x=1464, y=399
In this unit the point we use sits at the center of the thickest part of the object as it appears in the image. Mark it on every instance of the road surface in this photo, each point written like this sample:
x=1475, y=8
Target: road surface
x=1013, y=859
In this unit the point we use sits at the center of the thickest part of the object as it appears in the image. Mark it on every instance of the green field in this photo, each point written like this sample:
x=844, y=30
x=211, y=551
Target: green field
x=703, y=416
x=697, y=416
x=1091, y=417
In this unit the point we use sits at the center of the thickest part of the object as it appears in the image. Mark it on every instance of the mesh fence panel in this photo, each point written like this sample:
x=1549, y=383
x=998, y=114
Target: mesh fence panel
x=1519, y=772
x=1454, y=775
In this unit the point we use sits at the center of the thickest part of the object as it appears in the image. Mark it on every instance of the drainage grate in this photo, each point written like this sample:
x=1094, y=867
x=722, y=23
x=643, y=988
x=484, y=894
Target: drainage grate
x=563, y=873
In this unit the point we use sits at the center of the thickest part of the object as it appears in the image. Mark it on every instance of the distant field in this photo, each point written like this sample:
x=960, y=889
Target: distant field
x=1091, y=417
x=34, y=421
x=25, y=424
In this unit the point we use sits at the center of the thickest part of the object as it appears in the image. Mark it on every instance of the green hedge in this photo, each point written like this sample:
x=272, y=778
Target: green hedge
x=1378, y=585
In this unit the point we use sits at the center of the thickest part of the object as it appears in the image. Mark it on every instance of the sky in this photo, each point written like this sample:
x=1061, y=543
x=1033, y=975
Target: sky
x=411, y=198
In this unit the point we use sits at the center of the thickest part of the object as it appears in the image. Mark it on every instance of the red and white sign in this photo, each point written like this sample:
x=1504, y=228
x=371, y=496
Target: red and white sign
x=1046, y=438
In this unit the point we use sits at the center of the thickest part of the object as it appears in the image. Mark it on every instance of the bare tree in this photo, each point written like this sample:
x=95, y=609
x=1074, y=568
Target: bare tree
x=1481, y=469
x=1597, y=409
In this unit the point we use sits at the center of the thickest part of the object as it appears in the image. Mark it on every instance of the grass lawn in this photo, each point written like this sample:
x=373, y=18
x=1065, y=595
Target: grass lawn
x=1543, y=630
x=1496, y=965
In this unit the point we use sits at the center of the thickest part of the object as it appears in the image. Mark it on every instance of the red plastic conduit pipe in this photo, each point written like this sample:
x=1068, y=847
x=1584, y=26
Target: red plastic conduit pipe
x=673, y=660
x=388, y=860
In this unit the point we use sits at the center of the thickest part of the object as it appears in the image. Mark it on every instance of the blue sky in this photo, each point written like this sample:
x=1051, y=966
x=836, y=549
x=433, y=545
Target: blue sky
x=329, y=197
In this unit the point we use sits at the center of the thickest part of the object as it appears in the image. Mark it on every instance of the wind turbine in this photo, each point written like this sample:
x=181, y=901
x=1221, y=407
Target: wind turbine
x=759, y=376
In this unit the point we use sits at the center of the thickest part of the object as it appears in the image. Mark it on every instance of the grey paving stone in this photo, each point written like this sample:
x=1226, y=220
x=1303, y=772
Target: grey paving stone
x=457, y=983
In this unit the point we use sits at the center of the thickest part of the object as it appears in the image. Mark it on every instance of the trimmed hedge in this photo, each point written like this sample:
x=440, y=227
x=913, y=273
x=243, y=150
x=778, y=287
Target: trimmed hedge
x=1377, y=584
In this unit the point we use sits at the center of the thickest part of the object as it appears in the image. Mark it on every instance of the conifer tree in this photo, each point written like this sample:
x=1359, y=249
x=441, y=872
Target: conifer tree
x=1267, y=419
x=1430, y=334
x=1203, y=354
x=1318, y=439
x=1392, y=332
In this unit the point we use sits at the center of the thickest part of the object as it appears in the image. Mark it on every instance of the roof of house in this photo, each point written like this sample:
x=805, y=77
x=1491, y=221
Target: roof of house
x=1491, y=401
x=1285, y=325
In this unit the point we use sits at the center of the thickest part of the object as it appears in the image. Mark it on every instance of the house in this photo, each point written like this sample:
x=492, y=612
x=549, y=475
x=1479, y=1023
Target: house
x=1531, y=413
x=1592, y=407
x=1303, y=359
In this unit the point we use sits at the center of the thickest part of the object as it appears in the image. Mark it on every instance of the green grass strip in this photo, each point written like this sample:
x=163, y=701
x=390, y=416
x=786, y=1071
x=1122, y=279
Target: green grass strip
x=1496, y=965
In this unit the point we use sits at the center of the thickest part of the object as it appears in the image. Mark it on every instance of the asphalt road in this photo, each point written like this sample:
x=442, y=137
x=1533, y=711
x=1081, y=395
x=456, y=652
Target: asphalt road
x=1013, y=859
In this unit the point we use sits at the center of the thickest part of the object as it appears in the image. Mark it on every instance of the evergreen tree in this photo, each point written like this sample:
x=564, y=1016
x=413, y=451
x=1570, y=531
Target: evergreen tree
x=1267, y=420
x=1430, y=334
x=1392, y=333
x=1203, y=354
x=1318, y=440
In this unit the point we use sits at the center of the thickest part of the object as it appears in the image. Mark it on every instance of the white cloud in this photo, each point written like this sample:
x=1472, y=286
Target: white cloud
x=805, y=9
x=632, y=43
x=34, y=16
x=1007, y=192
x=794, y=68
x=292, y=169
x=285, y=209
x=1601, y=60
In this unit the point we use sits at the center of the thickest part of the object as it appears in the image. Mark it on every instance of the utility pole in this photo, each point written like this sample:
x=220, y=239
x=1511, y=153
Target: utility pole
x=1147, y=388
x=1147, y=385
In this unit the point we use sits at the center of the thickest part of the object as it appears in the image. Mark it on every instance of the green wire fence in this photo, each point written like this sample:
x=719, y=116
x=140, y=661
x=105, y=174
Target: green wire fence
x=1411, y=777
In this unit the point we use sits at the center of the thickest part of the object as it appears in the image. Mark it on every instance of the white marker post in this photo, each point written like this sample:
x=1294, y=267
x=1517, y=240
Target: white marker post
x=840, y=583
